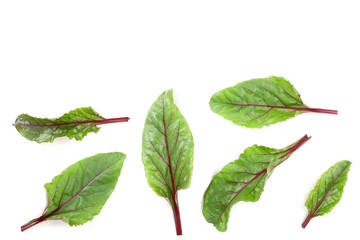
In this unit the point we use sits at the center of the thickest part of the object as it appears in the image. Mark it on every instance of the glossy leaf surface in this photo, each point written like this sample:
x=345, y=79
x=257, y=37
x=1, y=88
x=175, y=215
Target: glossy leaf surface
x=328, y=191
x=75, y=124
x=260, y=102
x=243, y=180
x=80, y=191
x=167, y=151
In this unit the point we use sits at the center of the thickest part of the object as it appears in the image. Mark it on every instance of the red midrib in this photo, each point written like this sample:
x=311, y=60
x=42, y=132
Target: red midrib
x=102, y=121
x=285, y=107
x=168, y=155
x=175, y=206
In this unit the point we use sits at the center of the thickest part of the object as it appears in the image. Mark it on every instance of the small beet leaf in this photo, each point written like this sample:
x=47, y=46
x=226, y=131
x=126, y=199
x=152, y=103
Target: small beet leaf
x=243, y=180
x=260, y=102
x=328, y=191
x=80, y=191
x=167, y=151
x=75, y=124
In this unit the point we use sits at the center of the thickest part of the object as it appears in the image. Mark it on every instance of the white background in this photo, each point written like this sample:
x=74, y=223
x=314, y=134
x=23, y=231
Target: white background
x=118, y=56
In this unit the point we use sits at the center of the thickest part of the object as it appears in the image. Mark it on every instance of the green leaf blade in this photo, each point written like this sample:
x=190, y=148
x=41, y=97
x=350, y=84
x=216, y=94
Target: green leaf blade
x=80, y=191
x=260, y=102
x=167, y=151
x=243, y=180
x=75, y=124
x=327, y=191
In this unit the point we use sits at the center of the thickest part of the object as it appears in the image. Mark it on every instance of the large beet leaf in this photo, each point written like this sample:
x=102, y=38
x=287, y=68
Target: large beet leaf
x=260, y=102
x=167, y=151
x=80, y=191
x=75, y=124
x=243, y=180
x=328, y=191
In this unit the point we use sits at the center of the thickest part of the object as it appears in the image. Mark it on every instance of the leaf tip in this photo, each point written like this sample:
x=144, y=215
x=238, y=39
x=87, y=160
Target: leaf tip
x=169, y=91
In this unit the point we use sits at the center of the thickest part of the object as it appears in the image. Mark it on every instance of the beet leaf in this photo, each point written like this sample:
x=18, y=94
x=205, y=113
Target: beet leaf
x=243, y=180
x=80, y=191
x=167, y=151
x=75, y=124
x=328, y=191
x=260, y=102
